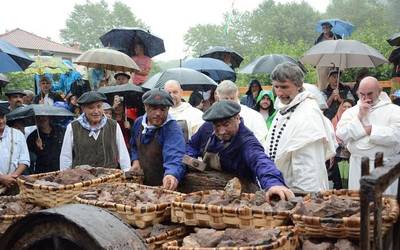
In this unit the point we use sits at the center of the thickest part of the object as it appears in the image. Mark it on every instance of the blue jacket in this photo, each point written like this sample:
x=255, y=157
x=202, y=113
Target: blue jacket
x=244, y=156
x=170, y=137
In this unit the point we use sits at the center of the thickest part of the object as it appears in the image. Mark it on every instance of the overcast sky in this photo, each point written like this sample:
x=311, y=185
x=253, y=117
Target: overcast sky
x=170, y=19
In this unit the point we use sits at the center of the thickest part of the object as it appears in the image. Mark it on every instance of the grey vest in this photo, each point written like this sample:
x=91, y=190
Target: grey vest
x=102, y=152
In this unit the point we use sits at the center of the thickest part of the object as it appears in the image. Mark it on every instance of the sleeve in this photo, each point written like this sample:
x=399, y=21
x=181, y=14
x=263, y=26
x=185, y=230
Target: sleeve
x=387, y=135
x=261, y=166
x=193, y=147
x=173, y=149
x=124, y=160
x=66, y=149
x=23, y=157
x=260, y=129
x=349, y=127
x=132, y=142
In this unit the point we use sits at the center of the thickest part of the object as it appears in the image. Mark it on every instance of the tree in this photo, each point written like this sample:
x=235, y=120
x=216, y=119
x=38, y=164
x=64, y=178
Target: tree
x=87, y=22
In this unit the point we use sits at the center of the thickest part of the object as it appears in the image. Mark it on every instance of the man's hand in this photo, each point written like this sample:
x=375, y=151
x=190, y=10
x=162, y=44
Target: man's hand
x=368, y=129
x=39, y=143
x=170, y=182
x=283, y=192
x=7, y=180
x=135, y=166
x=364, y=110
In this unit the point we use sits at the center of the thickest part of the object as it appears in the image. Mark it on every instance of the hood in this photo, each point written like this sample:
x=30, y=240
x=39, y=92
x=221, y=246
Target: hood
x=263, y=93
x=254, y=81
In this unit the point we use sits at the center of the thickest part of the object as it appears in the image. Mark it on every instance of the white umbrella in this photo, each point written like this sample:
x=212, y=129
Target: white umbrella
x=343, y=54
x=107, y=59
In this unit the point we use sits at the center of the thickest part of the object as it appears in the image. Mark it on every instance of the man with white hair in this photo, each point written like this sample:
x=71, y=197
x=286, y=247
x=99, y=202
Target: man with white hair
x=188, y=117
x=371, y=126
x=301, y=139
x=227, y=90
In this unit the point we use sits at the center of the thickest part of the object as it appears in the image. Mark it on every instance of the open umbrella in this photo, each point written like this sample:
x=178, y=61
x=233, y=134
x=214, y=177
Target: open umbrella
x=123, y=38
x=394, y=40
x=107, y=59
x=267, y=63
x=132, y=94
x=215, y=69
x=12, y=59
x=3, y=80
x=188, y=78
x=339, y=27
x=343, y=54
x=219, y=52
x=47, y=65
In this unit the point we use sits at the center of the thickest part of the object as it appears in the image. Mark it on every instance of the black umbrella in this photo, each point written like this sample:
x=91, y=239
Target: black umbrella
x=132, y=94
x=394, y=40
x=215, y=69
x=124, y=38
x=219, y=52
x=188, y=78
x=267, y=63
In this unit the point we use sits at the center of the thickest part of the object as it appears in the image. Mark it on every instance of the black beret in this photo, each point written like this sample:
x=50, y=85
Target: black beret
x=3, y=110
x=121, y=73
x=91, y=97
x=223, y=109
x=15, y=92
x=157, y=97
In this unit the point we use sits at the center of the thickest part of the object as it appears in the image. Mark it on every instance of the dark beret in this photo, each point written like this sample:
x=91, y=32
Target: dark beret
x=91, y=97
x=121, y=73
x=11, y=92
x=221, y=110
x=157, y=97
x=4, y=110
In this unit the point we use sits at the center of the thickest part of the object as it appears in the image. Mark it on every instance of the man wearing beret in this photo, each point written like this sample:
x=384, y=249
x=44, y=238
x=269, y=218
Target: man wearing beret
x=226, y=144
x=157, y=142
x=121, y=78
x=15, y=98
x=14, y=154
x=93, y=139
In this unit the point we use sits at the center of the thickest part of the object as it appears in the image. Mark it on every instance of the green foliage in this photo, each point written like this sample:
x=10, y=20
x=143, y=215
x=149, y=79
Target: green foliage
x=18, y=80
x=87, y=22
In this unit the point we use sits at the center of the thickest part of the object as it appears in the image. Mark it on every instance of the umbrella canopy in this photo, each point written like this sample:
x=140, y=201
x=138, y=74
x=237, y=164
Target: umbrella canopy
x=28, y=113
x=339, y=27
x=215, y=69
x=47, y=65
x=108, y=59
x=267, y=63
x=12, y=59
x=394, y=40
x=132, y=93
x=3, y=80
x=343, y=54
x=219, y=52
x=188, y=78
x=124, y=38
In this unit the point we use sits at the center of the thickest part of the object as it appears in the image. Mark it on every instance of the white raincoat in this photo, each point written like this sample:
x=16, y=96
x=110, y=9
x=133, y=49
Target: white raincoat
x=191, y=115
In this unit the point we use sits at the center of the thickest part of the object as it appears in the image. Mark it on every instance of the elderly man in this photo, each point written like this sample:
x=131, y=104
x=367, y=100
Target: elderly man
x=14, y=155
x=371, y=126
x=226, y=144
x=301, y=138
x=46, y=96
x=227, y=90
x=188, y=116
x=93, y=139
x=157, y=143
x=15, y=98
x=28, y=98
x=121, y=78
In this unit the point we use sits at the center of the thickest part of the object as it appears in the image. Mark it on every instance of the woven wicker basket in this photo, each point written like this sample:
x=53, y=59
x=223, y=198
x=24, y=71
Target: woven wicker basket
x=288, y=241
x=346, y=227
x=7, y=219
x=220, y=217
x=156, y=242
x=47, y=196
x=140, y=217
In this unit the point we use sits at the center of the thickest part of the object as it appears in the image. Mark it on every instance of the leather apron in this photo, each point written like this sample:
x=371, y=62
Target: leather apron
x=151, y=160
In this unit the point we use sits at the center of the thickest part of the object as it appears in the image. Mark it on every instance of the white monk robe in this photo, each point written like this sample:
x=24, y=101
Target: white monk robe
x=254, y=121
x=300, y=140
x=385, y=137
x=191, y=115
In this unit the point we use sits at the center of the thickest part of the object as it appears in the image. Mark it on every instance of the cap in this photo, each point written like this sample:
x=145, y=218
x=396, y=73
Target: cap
x=333, y=71
x=221, y=110
x=106, y=106
x=121, y=73
x=15, y=92
x=157, y=97
x=90, y=97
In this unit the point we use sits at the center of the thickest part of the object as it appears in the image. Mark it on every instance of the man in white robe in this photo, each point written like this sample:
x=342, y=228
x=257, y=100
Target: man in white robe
x=371, y=126
x=300, y=139
x=183, y=111
x=227, y=90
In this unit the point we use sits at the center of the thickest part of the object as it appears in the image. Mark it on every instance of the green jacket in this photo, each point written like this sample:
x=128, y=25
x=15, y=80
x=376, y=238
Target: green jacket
x=272, y=98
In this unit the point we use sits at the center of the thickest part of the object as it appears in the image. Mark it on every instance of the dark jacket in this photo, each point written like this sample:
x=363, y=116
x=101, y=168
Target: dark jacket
x=52, y=95
x=330, y=112
x=248, y=99
x=321, y=37
x=395, y=59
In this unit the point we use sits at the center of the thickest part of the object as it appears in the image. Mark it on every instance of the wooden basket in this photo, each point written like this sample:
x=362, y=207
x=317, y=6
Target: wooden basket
x=288, y=241
x=220, y=217
x=47, y=196
x=140, y=217
x=156, y=242
x=346, y=227
x=7, y=220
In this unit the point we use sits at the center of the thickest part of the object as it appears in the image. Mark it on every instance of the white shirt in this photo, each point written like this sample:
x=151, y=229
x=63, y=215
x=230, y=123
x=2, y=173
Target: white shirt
x=384, y=118
x=47, y=100
x=255, y=122
x=191, y=115
x=20, y=154
x=66, y=150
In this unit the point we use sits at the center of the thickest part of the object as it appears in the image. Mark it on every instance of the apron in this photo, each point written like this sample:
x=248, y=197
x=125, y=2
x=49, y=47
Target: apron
x=151, y=160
